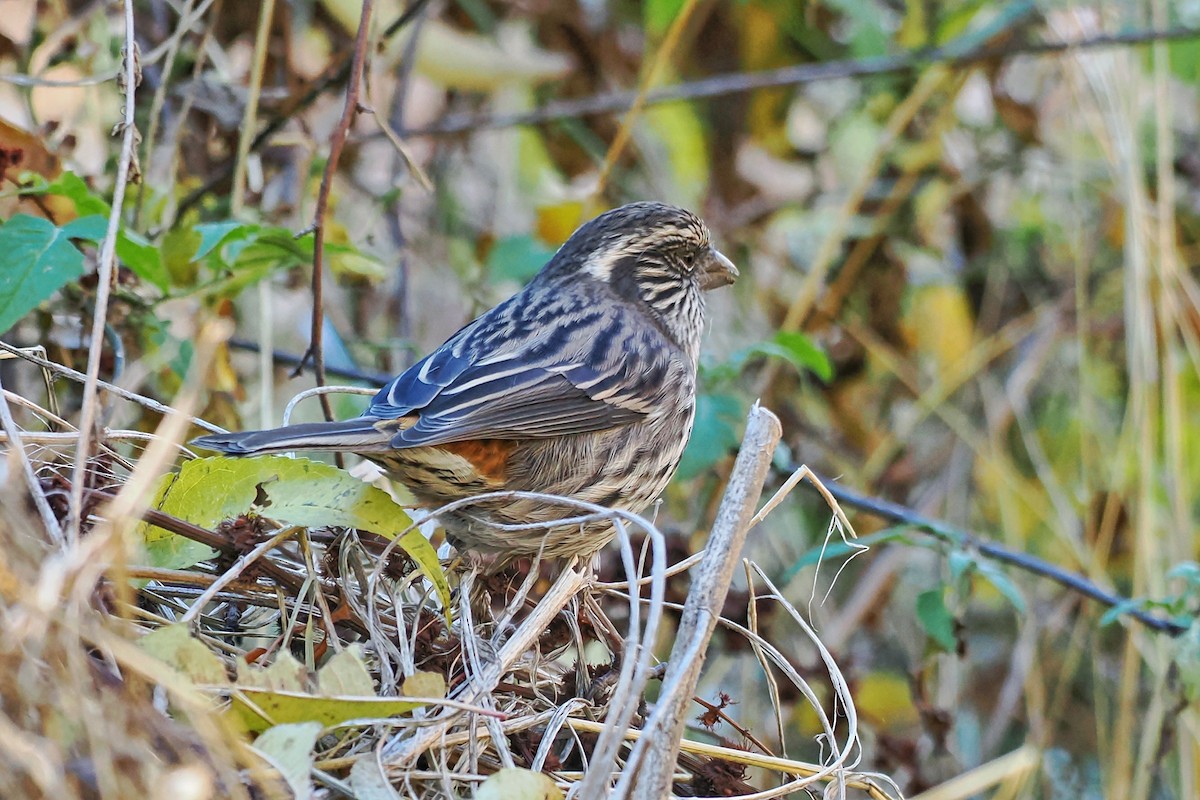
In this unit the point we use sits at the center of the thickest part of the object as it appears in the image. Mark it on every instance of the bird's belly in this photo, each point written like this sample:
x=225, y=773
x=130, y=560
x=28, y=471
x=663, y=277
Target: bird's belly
x=434, y=475
x=624, y=468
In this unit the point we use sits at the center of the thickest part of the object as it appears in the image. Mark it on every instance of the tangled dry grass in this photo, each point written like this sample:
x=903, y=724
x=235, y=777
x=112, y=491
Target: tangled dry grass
x=548, y=669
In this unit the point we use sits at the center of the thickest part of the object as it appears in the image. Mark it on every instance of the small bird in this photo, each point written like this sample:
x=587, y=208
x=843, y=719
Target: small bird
x=583, y=384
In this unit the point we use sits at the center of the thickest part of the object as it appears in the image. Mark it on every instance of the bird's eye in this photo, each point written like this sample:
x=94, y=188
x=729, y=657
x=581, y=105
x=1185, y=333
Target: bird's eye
x=688, y=259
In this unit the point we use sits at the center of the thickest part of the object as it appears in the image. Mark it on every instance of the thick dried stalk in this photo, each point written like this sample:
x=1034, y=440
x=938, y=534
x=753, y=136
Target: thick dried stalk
x=651, y=765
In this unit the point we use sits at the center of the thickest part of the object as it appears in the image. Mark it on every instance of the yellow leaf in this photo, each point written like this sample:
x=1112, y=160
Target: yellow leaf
x=515, y=783
x=259, y=709
x=556, y=223
x=942, y=326
x=885, y=698
x=424, y=684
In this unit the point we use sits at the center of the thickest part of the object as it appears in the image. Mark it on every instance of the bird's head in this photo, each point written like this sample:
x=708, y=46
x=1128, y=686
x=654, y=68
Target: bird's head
x=656, y=255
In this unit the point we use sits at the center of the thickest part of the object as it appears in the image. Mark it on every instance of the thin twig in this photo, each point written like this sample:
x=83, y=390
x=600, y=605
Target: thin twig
x=316, y=349
x=88, y=417
x=124, y=394
x=235, y=571
x=721, y=85
x=292, y=360
x=13, y=433
x=334, y=76
x=957, y=536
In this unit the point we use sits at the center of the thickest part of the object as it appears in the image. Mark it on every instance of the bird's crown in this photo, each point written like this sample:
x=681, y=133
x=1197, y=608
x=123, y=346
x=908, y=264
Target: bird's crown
x=664, y=234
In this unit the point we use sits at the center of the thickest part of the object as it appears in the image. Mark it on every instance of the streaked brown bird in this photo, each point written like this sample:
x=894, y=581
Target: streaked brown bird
x=583, y=384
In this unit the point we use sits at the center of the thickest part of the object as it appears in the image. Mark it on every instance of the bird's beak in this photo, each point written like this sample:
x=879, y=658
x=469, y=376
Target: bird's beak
x=716, y=270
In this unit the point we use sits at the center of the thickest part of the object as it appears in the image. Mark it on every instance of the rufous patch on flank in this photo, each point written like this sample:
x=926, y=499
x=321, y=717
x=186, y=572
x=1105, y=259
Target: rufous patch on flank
x=489, y=457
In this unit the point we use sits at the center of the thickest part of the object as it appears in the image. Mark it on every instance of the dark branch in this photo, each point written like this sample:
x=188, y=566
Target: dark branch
x=349, y=111
x=293, y=360
x=962, y=538
x=720, y=85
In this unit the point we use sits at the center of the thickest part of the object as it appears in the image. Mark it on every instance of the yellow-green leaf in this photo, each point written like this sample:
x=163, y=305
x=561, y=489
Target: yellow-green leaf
x=175, y=645
x=346, y=674
x=295, y=491
x=259, y=709
x=515, y=783
x=284, y=674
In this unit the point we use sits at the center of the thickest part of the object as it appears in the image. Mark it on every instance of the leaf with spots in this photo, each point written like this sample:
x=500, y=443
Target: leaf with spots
x=294, y=491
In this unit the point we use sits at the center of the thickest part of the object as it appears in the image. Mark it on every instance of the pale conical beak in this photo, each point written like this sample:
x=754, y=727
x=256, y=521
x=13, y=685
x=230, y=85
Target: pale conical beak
x=716, y=270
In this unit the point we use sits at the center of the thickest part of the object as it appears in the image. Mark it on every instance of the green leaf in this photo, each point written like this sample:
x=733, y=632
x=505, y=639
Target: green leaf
x=253, y=255
x=936, y=619
x=91, y=228
x=866, y=32
x=961, y=563
x=258, y=709
x=1187, y=661
x=1120, y=609
x=72, y=187
x=517, y=258
x=1188, y=571
x=143, y=258
x=800, y=351
x=178, y=250
x=997, y=578
x=347, y=260
x=714, y=433
x=1184, y=58
x=657, y=15
x=295, y=491
x=345, y=692
x=39, y=259
x=794, y=348
x=674, y=136
x=213, y=233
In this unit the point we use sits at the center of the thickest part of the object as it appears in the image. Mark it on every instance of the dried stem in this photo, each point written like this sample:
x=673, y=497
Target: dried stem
x=17, y=446
x=651, y=765
x=316, y=348
x=130, y=78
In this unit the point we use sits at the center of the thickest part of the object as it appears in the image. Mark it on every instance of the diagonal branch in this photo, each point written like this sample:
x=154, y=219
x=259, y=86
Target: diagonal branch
x=720, y=85
x=316, y=348
x=129, y=78
x=950, y=534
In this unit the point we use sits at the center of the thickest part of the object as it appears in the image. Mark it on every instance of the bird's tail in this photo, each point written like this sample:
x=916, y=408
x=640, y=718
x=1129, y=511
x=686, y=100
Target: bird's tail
x=357, y=435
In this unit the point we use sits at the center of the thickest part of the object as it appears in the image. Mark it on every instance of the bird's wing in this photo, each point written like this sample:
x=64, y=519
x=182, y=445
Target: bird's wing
x=552, y=385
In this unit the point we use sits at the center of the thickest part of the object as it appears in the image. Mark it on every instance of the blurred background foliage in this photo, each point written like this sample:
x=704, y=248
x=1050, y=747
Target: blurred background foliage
x=969, y=285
